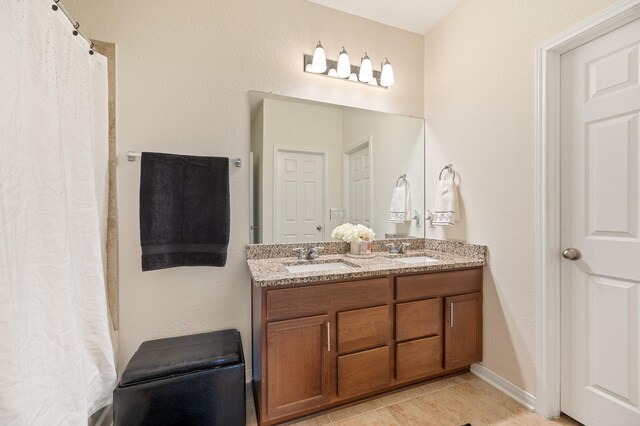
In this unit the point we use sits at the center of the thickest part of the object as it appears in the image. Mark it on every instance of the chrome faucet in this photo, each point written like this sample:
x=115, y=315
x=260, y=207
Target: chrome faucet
x=401, y=249
x=308, y=254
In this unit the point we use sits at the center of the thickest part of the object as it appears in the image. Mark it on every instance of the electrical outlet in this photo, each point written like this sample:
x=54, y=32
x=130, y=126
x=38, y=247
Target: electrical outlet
x=336, y=214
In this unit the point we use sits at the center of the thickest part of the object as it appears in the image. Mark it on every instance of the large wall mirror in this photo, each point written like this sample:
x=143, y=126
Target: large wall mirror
x=317, y=165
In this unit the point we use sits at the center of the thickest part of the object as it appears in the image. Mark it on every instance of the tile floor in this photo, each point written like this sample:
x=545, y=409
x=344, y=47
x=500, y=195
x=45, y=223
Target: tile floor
x=452, y=401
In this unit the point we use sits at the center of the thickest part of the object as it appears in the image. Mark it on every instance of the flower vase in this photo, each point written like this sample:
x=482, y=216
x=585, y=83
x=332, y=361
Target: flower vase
x=360, y=248
x=356, y=246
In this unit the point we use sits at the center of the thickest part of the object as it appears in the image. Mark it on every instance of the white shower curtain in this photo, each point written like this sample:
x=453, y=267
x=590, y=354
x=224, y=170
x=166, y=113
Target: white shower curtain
x=56, y=355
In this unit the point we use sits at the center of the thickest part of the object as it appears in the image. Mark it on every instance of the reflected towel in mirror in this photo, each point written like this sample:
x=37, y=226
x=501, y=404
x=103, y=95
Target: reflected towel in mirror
x=400, y=209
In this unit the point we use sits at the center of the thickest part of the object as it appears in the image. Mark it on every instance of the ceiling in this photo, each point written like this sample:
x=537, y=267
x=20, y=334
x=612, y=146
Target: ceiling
x=417, y=16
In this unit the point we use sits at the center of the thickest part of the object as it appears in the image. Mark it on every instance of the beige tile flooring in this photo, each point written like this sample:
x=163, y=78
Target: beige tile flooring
x=451, y=401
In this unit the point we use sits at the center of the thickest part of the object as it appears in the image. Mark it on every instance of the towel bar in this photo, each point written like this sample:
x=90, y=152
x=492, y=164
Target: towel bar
x=131, y=156
x=402, y=177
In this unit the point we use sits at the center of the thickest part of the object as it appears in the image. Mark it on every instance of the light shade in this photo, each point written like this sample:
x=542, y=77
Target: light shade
x=344, y=66
x=319, y=62
x=332, y=73
x=386, y=76
x=366, y=70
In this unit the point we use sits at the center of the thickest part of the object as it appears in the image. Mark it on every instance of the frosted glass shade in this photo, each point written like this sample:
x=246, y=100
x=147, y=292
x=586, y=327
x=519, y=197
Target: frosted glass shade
x=344, y=66
x=333, y=73
x=386, y=76
x=353, y=77
x=366, y=70
x=319, y=62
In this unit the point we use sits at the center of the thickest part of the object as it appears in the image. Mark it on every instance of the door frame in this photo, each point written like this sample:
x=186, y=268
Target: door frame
x=548, y=193
x=281, y=148
x=346, y=167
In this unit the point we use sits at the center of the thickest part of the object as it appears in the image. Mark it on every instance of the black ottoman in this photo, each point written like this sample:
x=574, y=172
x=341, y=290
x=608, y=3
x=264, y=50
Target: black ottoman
x=187, y=380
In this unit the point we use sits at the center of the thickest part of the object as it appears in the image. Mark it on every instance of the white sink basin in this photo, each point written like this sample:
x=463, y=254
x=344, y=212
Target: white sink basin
x=417, y=259
x=317, y=267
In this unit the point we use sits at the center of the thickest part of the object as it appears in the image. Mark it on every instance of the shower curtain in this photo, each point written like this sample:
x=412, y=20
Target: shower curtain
x=56, y=354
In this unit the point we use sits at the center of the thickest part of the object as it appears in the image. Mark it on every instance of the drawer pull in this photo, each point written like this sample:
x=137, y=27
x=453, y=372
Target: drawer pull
x=451, y=315
x=328, y=337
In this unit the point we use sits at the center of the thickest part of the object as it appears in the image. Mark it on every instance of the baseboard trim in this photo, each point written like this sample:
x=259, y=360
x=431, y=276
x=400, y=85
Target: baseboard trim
x=504, y=386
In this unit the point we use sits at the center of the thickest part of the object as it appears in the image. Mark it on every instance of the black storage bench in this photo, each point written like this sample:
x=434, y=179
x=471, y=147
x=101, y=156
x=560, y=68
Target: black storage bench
x=187, y=380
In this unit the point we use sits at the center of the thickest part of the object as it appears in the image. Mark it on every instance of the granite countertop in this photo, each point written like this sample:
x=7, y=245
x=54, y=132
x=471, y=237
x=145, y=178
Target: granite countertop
x=271, y=271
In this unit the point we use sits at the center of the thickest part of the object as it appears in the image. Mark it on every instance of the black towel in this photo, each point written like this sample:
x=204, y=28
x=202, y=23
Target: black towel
x=184, y=210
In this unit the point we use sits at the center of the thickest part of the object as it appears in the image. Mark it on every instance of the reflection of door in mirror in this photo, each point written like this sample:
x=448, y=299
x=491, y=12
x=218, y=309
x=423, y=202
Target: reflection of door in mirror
x=359, y=190
x=299, y=196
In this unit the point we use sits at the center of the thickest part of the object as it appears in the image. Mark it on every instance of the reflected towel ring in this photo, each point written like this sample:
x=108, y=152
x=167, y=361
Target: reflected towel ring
x=448, y=168
x=402, y=177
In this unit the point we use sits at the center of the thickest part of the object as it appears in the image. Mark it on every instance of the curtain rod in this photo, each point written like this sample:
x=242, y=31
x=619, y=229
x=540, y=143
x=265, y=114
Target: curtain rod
x=75, y=24
x=131, y=156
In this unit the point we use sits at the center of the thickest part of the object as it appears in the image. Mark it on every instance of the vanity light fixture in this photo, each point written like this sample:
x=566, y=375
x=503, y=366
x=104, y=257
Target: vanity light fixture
x=386, y=76
x=366, y=70
x=342, y=68
x=319, y=63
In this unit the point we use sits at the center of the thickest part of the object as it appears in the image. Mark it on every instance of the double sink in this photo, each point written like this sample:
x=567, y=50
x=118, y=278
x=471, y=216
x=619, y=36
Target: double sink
x=318, y=266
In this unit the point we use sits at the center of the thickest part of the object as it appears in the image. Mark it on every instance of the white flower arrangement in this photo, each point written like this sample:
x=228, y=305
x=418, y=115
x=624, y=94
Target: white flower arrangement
x=350, y=233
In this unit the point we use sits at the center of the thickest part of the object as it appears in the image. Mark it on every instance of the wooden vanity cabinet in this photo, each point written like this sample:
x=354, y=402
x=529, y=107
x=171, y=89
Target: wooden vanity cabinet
x=297, y=364
x=317, y=346
x=463, y=330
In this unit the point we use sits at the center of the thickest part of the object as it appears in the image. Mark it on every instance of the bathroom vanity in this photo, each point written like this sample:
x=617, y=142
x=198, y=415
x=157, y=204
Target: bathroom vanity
x=330, y=337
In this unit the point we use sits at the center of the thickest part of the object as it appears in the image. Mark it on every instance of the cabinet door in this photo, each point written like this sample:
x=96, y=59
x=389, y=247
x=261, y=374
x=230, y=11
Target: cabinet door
x=463, y=330
x=297, y=364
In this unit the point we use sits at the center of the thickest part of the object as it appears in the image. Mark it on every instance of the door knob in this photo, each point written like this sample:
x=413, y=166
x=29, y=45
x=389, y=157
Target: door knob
x=319, y=228
x=572, y=254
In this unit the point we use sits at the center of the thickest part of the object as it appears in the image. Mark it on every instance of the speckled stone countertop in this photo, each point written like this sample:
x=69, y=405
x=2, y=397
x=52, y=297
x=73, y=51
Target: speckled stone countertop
x=268, y=262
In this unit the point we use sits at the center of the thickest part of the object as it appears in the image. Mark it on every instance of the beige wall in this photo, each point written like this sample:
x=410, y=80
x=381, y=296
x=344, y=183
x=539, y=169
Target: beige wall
x=479, y=106
x=184, y=71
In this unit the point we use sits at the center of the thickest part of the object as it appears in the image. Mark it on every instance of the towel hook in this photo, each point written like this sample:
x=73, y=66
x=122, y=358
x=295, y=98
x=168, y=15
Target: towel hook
x=448, y=168
x=402, y=177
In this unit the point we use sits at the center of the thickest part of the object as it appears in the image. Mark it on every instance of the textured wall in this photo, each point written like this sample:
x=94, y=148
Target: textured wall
x=183, y=73
x=479, y=106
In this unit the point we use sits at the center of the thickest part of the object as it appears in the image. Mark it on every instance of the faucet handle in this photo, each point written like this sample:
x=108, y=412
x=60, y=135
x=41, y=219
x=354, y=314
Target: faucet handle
x=403, y=247
x=392, y=247
x=300, y=252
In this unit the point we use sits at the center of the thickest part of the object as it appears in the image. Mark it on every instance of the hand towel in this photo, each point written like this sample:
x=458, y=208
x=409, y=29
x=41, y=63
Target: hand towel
x=447, y=210
x=184, y=210
x=400, y=209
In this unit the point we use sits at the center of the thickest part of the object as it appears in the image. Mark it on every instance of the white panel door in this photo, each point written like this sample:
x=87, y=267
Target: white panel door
x=299, y=193
x=600, y=292
x=360, y=187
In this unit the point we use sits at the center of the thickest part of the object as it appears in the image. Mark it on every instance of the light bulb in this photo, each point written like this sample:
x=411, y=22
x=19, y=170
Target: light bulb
x=366, y=70
x=353, y=77
x=344, y=66
x=332, y=73
x=308, y=68
x=373, y=82
x=319, y=62
x=386, y=76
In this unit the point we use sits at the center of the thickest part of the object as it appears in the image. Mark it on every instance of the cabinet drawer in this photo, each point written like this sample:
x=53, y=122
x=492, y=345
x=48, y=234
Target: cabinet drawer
x=419, y=358
x=363, y=372
x=418, y=319
x=438, y=284
x=316, y=299
x=363, y=328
